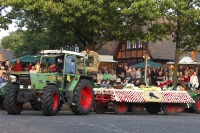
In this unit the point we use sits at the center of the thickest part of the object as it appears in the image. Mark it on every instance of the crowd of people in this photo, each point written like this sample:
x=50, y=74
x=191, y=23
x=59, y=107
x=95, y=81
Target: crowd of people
x=187, y=77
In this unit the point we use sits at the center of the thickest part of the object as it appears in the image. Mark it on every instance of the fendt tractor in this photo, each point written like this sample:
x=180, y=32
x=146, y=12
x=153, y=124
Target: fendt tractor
x=49, y=89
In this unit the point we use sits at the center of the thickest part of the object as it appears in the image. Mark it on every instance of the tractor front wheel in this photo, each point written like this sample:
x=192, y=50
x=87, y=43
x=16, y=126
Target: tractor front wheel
x=196, y=105
x=169, y=108
x=10, y=100
x=120, y=107
x=83, y=98
x=50, y=100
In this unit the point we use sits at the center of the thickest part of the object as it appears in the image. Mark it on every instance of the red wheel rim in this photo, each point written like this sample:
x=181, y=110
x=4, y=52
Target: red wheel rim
x=198, y=105
x=179, y=109
x=55, y=101
x=85, y=97
x=170, y=107
x=121, y=107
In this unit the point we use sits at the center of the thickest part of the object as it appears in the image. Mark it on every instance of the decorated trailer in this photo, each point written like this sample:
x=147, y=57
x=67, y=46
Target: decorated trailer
x=153, y=99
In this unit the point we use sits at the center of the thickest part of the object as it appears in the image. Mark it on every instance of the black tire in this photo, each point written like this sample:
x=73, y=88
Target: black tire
x=83, y=98
x=137, y=107
x=153, y=108
x=2, y=105
x=120, y=108
x=36, y=106
x=189, y=110
x=50, y=100
x=169, y=108
x=100, y=108
x=10, y=102
x=196, y=105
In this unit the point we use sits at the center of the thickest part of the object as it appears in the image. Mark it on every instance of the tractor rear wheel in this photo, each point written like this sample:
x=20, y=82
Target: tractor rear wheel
x=169, y=108
x=83, y=98
x=50, y=100
x=120, y=107
x=196, y=105
x=100, y=108
x=10, y=100
x=153, y=108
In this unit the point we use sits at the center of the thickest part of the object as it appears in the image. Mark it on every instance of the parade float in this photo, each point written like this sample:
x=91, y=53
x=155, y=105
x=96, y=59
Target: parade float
x=153, y=99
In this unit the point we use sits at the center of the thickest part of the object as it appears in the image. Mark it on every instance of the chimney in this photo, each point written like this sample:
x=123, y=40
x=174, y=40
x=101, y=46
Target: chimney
x=192, y=54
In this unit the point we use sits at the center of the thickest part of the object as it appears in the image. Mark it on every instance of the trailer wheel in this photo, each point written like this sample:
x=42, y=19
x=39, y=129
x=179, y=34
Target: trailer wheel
x=36, y=106
x=137, y=108
x=196, y=105
x=50, y=100
x=179, y=109
x=153, y=108
x=100, y=108
x=83, y=98
x=169, y=108
x=10, y=102
x=120, y=107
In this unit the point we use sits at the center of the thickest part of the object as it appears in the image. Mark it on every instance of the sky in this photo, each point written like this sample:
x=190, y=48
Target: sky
x=5, y=33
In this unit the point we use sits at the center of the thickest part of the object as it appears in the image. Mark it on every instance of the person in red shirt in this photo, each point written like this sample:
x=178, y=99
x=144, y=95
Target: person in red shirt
x=187, y=80
x=17, y=66
x=29, y=66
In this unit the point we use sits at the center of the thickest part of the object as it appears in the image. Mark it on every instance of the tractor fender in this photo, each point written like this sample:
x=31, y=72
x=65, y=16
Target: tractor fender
x=52, y=83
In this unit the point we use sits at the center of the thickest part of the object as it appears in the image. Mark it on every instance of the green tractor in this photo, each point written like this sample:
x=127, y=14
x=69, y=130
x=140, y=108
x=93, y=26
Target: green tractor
x=195, y=107
x=48, y=90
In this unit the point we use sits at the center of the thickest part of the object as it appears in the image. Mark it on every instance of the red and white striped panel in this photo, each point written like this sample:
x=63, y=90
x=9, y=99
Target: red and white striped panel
x=176, y=97
x=136, y=96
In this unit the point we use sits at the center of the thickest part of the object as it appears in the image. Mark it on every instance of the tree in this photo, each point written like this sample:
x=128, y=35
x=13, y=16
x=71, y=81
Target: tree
x=92, y=22
x=181, y=19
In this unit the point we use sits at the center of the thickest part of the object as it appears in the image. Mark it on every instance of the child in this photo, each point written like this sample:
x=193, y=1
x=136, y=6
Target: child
x=103, y=83
x=107, y=84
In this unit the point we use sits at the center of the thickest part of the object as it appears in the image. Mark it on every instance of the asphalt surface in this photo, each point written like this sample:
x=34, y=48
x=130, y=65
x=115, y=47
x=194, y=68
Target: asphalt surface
x=65, y=122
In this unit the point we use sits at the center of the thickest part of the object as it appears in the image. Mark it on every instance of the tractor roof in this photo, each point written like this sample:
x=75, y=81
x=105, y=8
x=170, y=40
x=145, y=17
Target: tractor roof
x=58, y=52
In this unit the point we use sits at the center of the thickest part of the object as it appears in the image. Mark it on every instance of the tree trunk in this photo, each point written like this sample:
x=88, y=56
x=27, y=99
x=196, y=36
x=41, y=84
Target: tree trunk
x=174, y=78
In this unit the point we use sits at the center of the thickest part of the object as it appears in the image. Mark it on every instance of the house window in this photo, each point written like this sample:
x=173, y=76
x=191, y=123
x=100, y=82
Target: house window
x=134, y=44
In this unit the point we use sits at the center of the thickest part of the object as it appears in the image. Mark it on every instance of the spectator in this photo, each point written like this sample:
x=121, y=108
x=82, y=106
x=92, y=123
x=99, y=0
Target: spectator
x=17, y=66
x=94, y=77
x=127, y=75
x=113, y=77
x=33, y=70
x=37, y=66
x=106, y=75
x=99, y=76
x=137, y=83
x=107, y=86
x=133, y=74
x=103, y=83
x=181, y=80
x=122, y=76
x=7, y=65
x=159, y=78
x=2, y=70
x=187, y=80
x=29, y=66
x=153, y=76
x=194, y=81
x=181, y=69
x=120, y=69
x=138, y=74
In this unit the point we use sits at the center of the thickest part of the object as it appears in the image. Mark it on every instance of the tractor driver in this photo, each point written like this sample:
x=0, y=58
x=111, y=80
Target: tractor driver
x=60, y=65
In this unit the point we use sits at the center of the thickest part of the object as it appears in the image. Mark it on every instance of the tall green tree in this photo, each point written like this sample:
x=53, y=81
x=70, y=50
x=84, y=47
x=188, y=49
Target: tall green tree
x=92, y=22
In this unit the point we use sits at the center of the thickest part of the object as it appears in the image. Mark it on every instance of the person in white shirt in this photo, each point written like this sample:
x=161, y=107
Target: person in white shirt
x=33, y=70
x=194, y=80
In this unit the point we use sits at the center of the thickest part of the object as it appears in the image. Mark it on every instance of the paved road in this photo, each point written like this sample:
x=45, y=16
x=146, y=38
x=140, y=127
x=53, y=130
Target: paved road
x=66, y=122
